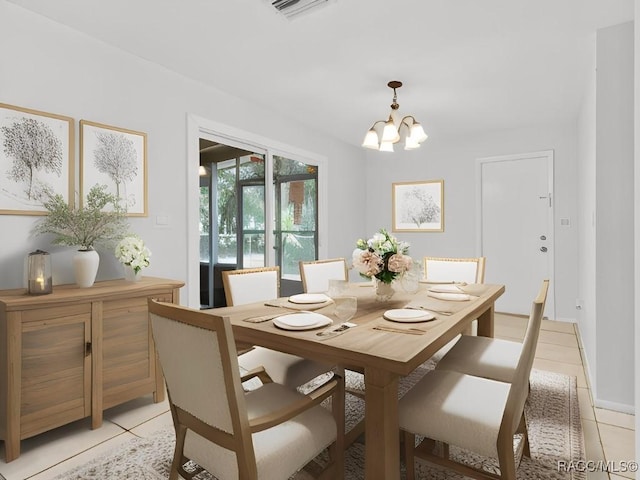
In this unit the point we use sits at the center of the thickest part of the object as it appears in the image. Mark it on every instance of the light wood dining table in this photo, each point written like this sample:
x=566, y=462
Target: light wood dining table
x=383, y=356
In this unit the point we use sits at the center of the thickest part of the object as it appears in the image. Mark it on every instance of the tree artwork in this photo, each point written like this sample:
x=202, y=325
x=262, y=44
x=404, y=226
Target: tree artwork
x=115, y=156
x=34, y=148
x=419, y=207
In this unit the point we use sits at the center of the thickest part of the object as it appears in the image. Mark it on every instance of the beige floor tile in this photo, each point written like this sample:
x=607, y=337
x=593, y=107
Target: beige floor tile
x=558, y=338
x=135, y=412
x=617, y=419
x=586, y=407
x=619, y=446
x=613, y=476
x=592, y=444
x=50, y=448
x=559, y=353
x=555, y=326
x=84, y=457
x=558, y=367
x=157, y=423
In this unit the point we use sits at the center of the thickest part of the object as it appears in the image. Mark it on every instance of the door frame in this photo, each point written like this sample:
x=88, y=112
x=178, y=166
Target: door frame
x=200, y=127
x=549, y=156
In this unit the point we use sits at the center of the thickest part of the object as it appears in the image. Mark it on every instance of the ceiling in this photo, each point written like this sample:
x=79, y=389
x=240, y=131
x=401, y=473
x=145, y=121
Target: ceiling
x=467, y=65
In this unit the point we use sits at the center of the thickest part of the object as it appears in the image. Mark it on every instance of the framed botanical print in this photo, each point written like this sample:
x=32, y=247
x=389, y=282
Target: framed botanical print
x=115, y=157
x=418, y=206
x=36, y=159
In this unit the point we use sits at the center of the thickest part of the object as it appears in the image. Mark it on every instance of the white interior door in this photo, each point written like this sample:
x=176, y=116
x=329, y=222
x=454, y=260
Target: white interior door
x=516, y=227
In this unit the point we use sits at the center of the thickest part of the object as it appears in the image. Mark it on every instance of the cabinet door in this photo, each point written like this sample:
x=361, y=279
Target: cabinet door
x=128, y=354
x=56, y=367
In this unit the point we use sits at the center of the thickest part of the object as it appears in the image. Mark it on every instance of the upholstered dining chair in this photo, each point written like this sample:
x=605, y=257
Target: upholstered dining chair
x=493, y=358
x=317, y=273
x=475, y=413
x=440, y=269
x=225, y=430
x=261, y=284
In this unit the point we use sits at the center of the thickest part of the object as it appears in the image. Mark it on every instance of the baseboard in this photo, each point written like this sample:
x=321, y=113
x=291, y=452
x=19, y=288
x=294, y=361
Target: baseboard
x=618, y=407
x=566, y=319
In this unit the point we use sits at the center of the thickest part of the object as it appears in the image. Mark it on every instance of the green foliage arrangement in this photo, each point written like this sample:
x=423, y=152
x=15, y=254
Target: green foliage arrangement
x=86, y=226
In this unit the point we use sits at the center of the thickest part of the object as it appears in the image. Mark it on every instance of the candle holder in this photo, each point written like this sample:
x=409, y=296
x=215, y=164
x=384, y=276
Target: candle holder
x=40, y=273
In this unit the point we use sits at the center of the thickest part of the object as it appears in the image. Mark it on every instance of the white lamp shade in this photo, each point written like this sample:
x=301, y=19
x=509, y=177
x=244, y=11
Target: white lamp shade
x=386, y=146
x=411, y=144
x=417, y=133
x=371, y=140
x=390, y=132
x=202, y=171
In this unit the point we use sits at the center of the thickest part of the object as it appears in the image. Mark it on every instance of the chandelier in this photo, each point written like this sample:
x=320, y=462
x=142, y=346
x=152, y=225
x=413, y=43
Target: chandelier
x=395, y=129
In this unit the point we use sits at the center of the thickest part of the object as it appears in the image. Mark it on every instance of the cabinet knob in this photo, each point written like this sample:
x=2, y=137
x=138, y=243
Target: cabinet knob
x=87, y=349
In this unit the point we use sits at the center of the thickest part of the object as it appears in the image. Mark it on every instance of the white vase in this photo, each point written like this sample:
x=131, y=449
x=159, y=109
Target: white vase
x=85, y=267
x=130, y=275
x=384, y=291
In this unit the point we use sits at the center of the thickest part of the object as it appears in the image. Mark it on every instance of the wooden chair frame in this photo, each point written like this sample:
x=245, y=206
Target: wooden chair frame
x=302, y=264
x=513, y=420
x=240, y=440
x=227, y=273
x=480, y=261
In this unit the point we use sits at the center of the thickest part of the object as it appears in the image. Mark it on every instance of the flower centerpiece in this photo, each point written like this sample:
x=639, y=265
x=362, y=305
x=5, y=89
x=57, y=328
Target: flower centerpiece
x=132, y=252
x=382, y=257
x=101, y=220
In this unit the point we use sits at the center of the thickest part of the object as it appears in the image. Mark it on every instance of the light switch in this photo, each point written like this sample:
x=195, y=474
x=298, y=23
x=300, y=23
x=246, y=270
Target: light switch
x=162, y=220
x=565, y=222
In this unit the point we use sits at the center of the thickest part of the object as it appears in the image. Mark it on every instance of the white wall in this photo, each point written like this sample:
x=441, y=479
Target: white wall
x=614, y=216
x=637, y=214
x=52, y=68
x=606, y=240
x=586, y=221
x=454, y=160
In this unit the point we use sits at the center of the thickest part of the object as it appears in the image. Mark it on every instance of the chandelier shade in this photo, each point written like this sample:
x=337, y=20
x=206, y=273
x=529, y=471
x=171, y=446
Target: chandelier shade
x=383, y=134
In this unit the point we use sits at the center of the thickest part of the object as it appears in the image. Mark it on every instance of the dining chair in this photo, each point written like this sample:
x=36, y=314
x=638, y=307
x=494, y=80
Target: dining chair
x=225, y=430
x=440, y=269
x=258, y=285
x=443, y=269
x=493, y=358
x=317, y=273
x=477, y=414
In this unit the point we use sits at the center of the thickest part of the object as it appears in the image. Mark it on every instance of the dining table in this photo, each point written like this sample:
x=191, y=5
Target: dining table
x=383, y=350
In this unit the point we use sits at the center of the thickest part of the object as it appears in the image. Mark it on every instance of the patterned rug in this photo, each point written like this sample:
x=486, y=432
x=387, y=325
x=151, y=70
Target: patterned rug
x=552, y=415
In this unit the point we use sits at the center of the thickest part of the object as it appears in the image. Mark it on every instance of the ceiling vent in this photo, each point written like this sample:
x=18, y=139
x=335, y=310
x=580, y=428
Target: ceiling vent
x=294, y=8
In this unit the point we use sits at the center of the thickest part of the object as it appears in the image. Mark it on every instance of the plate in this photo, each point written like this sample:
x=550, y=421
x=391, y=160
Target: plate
x=435, y=282
x=407, y=315
x=309, y=298
x=454, y=297
x=301, y=321
x=448, y=288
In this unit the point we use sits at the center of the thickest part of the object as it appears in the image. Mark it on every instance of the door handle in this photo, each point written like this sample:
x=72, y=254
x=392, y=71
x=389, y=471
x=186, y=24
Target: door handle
x=543, y=249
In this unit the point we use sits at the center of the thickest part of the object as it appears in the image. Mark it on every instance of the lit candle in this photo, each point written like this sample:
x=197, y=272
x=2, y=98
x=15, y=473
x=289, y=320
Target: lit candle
x=40, y=282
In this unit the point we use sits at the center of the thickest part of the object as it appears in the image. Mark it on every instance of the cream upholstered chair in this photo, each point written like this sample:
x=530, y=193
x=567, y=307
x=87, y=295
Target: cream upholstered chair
x=316, y=274
x=468, y=270
x=261, y=284
x=475, y=413
x=487, y=357
x=229, y=432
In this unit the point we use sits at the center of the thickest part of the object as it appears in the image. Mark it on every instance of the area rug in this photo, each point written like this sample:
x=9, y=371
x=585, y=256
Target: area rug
x=552, y=414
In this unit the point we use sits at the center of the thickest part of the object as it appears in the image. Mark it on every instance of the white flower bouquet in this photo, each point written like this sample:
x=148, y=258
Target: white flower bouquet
x=383, y=256
x=131, y=251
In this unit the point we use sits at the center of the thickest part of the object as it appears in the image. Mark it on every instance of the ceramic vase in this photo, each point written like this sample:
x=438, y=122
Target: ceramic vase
x=85, y=267
x=384, y=291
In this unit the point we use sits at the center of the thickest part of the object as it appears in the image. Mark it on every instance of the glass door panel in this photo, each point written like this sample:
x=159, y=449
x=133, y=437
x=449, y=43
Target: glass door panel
x=296, y=236
x=252, y=226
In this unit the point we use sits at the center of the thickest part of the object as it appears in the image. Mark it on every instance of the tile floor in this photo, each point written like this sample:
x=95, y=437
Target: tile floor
x=609, y=436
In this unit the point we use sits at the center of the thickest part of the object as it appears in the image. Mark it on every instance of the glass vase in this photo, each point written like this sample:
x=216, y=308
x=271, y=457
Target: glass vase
x=384, y=291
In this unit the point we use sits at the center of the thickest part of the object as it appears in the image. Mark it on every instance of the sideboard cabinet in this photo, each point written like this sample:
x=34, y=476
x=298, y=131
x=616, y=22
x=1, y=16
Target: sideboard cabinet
x=74, y=353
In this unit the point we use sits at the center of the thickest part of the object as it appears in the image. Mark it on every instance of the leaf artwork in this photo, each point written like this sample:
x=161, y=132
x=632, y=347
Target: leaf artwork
x=34, y=147
x=116, y=157
x=419, y=207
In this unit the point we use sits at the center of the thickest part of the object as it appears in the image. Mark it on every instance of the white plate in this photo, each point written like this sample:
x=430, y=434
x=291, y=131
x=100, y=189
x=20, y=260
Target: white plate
x=454, y=297
x=301, y=321
x=309, y=298
x=448, y=288
x=407, y=315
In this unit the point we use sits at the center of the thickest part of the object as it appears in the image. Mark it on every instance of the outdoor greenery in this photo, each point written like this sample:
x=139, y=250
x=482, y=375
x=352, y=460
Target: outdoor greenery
x=86, y=226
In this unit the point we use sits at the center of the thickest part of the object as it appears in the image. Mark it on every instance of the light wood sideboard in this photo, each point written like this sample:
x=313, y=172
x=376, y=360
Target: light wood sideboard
x=74, y=353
